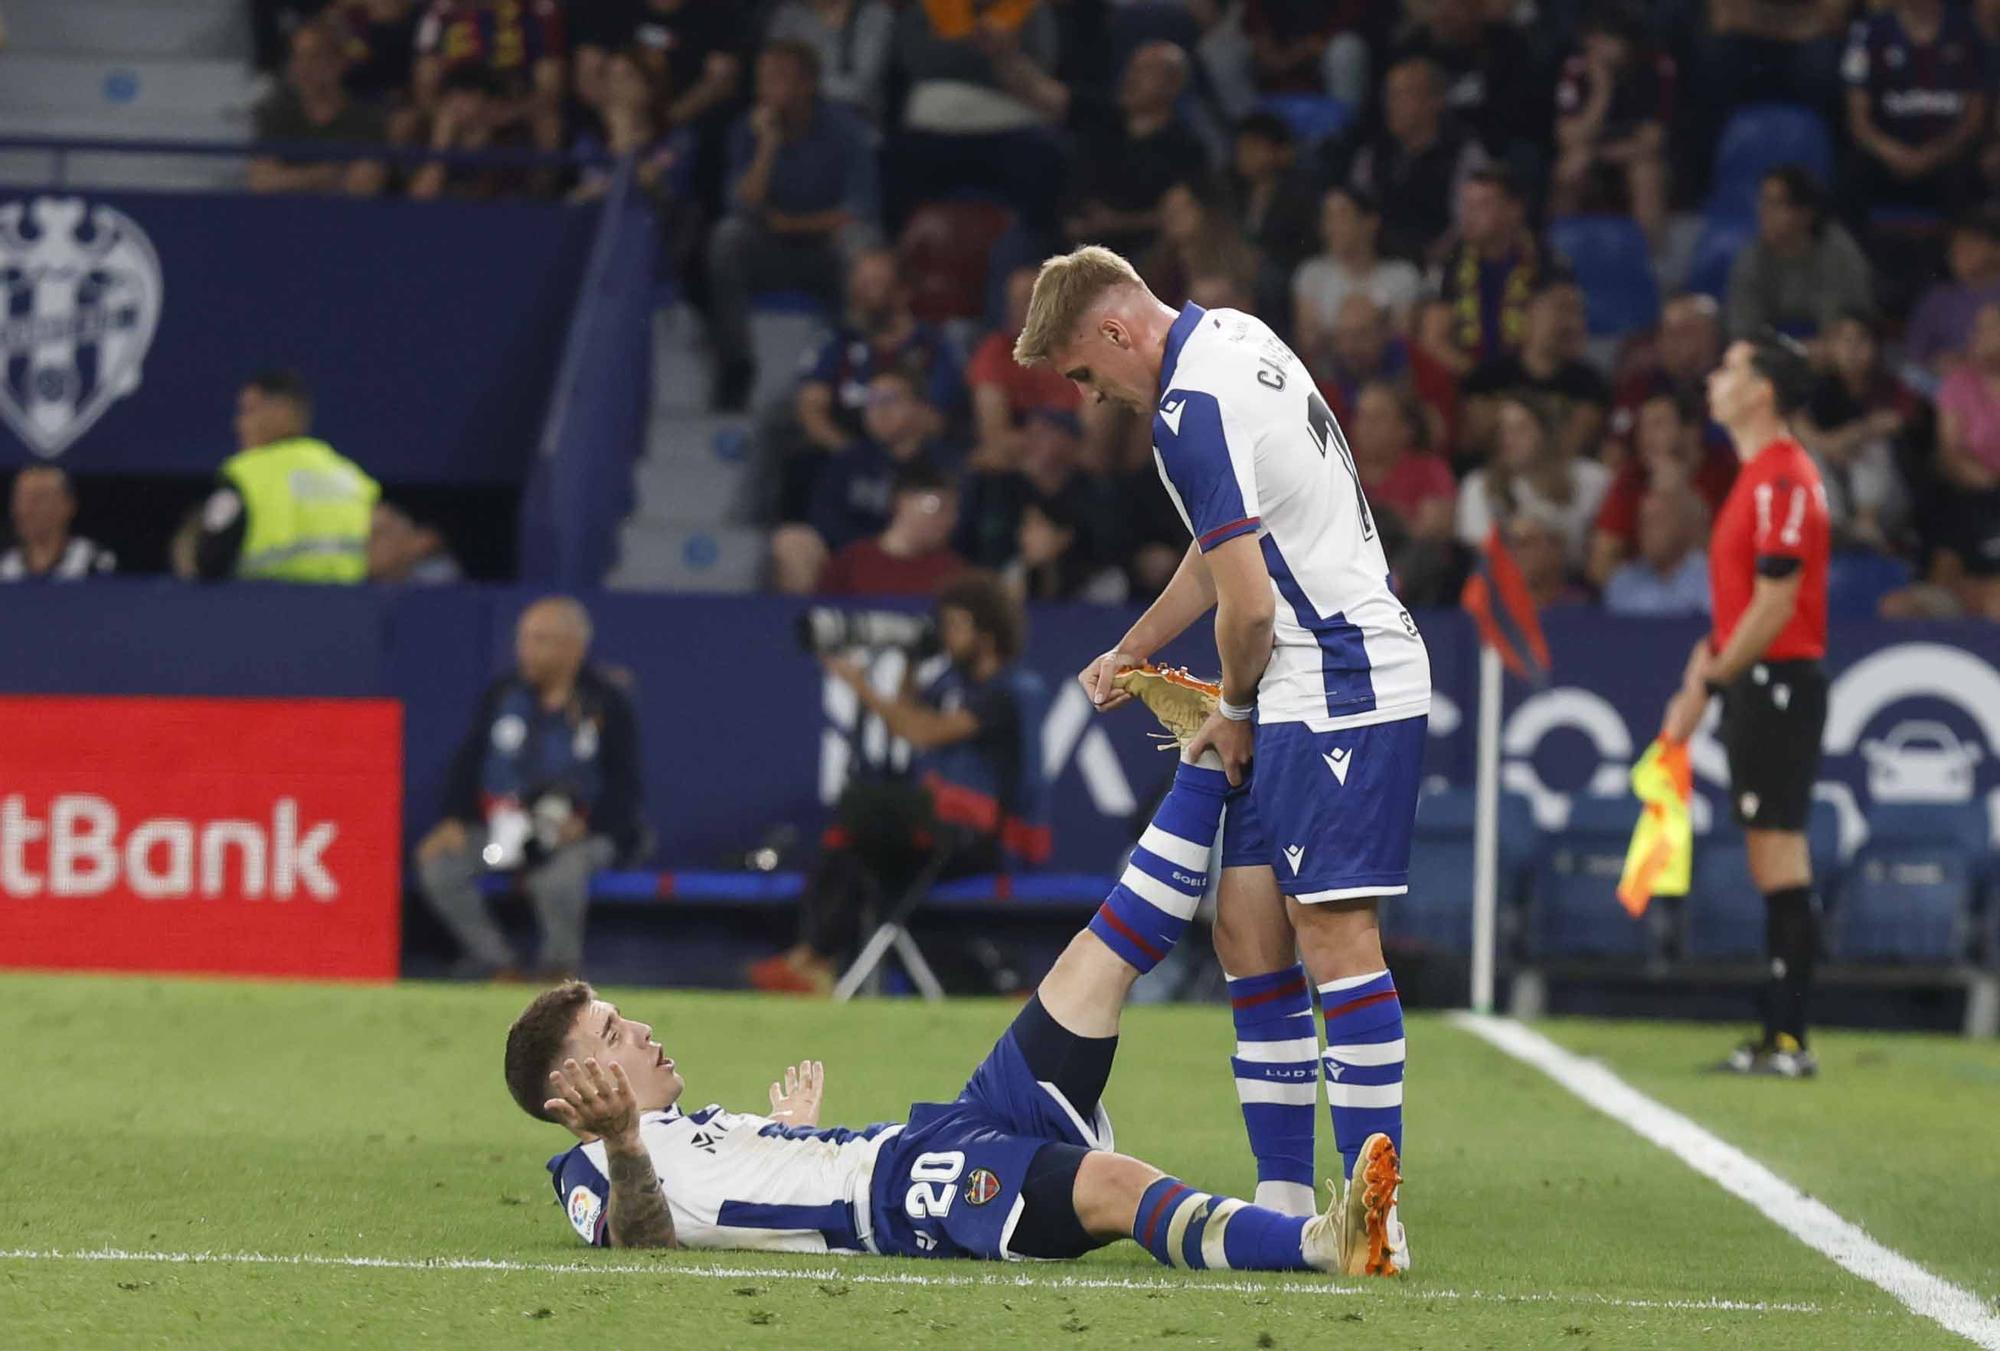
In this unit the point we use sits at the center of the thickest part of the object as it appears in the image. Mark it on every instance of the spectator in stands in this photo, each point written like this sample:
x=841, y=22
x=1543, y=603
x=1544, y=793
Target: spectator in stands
x=1415, y=164
x=1308, y=47
x=1942, y=323
x=802, y=204
x=42, y=507
x=1548, y=369
x=912, y=556
x=1362, y=349
x=851, y=495
x=852, y=40
x=1537, y=535
x=1051, y=476
x=1196, y=240
x=1614, y=103
x=1763, y=51
x=490, y=73
x=1495, y=266
x=1802, y=270
x=1918, y=74
x=1274, y=204
x=378, y=40
x=630, y=120
x=1054, y=562
x=1531, y=472
x=312, y=106
x=1686, y=348
x=1670, y=575
x=701, y=46
x=545, y=786
x=403, y=553
x=971, y=803
x=1350, y=227
x=1490, y=73
x=1967, y=521
x=1410, y=490
x=1852, y=424
x=1670, y=451
x=286, y=507
x=1004, y=392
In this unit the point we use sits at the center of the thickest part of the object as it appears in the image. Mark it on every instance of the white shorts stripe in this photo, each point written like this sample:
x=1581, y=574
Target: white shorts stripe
x=1183, y=853
x=1379, y=1053
x=1350, y=893
x=1363, y=1095
x=1303, y=1094
x=1300, y=1051
x=1149, y=888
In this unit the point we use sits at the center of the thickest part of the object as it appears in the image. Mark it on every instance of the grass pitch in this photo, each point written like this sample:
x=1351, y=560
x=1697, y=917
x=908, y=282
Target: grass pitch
x=312, y=1126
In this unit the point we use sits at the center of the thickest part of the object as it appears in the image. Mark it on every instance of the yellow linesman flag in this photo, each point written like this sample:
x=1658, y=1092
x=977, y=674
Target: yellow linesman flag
x=1662, y=852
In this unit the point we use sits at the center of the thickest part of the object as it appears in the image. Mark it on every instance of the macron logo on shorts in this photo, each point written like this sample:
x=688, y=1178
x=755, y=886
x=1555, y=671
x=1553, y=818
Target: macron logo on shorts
x=1295, y=854
x=1339, y=761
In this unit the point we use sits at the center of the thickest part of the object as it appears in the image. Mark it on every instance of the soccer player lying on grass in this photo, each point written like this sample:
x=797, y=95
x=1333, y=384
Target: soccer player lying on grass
x=1020, y=1165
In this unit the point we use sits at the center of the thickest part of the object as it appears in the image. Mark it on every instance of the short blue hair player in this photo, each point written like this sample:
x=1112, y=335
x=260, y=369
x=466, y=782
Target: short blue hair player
x=1020, y=1164
x=1324, y=677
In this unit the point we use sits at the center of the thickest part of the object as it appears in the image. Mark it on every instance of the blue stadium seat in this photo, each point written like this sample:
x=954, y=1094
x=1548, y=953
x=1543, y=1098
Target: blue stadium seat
x=1612, y=263
x=1436, y=915
x=1715, y=250
x=1909, y=895
x=1312, y=117
x=1759, y=138
x=1573, y=908
x=1856, y=583
x=1723, y=917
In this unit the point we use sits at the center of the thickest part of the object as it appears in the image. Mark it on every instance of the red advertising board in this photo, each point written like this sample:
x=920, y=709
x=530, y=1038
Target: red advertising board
x=240, y=836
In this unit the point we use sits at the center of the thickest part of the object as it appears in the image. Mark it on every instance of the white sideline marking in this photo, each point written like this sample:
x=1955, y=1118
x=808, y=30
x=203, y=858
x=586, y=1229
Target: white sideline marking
x=1018, y=1280
x=1812, y=1222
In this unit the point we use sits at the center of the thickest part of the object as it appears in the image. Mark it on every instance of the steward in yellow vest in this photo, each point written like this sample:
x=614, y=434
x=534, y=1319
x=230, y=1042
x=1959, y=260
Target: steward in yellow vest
x=288, y=508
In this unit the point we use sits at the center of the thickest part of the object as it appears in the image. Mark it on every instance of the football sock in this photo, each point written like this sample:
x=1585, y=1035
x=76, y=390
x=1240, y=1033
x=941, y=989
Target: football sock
x=1364, y=1061
x=1149, y=909
x=1277, y=1080
x=1183, y=1227
x=1791, y=933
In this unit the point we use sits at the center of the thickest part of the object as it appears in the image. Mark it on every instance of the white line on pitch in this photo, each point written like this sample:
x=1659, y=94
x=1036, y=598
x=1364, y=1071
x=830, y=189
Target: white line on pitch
x=1811, y=1222
x=845, y=1275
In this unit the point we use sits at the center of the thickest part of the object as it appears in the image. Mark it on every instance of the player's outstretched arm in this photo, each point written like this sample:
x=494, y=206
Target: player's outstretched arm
x=591, y=1100
x=1186, y=598
x=796, y=1098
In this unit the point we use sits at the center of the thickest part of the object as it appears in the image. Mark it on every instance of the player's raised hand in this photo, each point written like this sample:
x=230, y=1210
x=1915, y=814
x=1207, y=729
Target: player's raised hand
x=1096, y=679
x=591, y=1099
x=795, y=1099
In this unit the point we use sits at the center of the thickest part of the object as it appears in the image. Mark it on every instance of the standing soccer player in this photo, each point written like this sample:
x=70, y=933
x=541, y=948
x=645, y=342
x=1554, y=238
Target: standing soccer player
x=1325, y=679
x=1767, y=579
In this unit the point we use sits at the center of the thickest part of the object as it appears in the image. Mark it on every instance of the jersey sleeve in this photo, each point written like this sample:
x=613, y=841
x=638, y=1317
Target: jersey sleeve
x=585, y=1196
x=1783, y=506
x=1210, y=464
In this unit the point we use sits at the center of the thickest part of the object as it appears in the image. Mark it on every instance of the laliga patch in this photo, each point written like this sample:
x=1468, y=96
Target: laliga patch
x=980, y=1187
x=585, y=1207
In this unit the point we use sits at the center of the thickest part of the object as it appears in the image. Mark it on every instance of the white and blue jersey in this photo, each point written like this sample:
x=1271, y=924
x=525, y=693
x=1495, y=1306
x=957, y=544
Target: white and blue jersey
x=1246, y=445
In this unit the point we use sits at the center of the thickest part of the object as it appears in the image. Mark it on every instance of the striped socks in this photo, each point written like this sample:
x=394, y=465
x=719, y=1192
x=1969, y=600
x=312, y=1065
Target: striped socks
x=1364, y=1060
x=1183, y=1227
x=1277, y=1080
x=1149, y=909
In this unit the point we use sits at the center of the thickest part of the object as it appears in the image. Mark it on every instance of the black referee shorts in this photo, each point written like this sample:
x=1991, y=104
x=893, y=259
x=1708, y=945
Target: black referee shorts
x=1772, y=718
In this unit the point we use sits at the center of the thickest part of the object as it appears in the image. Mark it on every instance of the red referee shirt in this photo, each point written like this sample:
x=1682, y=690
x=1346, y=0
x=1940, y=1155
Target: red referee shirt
x=1775, y=518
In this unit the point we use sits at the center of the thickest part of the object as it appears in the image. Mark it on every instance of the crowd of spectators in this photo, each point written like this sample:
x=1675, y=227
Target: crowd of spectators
x=1374, y=179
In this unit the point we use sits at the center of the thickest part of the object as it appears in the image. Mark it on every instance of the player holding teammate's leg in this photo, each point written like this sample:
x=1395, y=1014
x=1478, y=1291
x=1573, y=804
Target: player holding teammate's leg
x=1315, y=649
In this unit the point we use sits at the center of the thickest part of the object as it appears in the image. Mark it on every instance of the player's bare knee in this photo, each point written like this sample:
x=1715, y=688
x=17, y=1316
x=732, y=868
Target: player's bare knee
x=1252, y=933
x=1086, y=988
x=1108, y=1188
x=1339, y=938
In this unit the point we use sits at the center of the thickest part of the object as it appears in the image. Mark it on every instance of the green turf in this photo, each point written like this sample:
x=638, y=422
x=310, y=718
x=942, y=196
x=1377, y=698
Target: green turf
x=320, y=1121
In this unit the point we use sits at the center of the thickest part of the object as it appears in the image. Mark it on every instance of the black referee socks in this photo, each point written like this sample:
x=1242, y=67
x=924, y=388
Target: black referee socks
x=1791, y=935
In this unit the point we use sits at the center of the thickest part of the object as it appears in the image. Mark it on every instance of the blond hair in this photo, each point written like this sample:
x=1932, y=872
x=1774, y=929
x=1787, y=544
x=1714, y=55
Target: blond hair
x=1065, y=289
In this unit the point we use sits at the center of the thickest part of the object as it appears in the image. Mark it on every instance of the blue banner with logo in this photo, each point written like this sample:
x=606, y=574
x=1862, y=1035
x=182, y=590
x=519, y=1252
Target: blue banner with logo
x=429, y=331
x=742, y=731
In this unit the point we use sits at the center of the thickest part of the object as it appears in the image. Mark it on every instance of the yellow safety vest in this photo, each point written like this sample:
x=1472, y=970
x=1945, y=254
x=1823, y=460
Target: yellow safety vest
x=309, y=512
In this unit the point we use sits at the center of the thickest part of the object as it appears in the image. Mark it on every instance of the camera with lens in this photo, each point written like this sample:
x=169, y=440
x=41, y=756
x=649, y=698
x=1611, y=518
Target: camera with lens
x=824, y=630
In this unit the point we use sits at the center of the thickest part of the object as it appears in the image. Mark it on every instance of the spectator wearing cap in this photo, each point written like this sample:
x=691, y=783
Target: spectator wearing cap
x=1669, y=451
x=802, y=204
x=1361, y=348
x=1942, y=322
x=1410, y=490
x=1851, y=425
x=913, y=555
x=313, y=106
x=41, y=508
x=1488, y=275
x=1530, y=471
x=1350, y=228
x=1670, y=575
x=1051, y=473
x=1273, y=202
x=852, y=493
x=1415, y=163
x=1004, y=392
x=1614, y=103
x=1918, y=75
x=1676, y=363
x=1548, y=369
x=1802, y=270
x=852, y=39
x=1490, y=73
x=1197, y=238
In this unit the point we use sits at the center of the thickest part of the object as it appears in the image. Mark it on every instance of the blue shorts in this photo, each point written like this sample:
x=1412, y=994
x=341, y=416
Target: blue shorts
x=950, y=1184
x=1330, y=813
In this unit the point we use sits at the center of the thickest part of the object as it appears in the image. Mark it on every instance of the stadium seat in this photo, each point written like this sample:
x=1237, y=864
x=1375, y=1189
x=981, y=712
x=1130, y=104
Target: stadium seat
x=1856, y=583
x=1715, y=250
x=1573, y=909
x=1614, y=266
x=1312, y=117
x=1436, y=915
x=1759, y=138
x=1723, y=917
x=946, y=247
x=1909, y=895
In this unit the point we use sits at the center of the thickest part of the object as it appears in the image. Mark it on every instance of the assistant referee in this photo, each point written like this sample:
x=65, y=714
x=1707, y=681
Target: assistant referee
x=1767, y=579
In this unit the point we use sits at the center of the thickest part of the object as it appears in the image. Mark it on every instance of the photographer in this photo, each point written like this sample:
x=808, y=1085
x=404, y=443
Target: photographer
x=546, y=784
x=972, y=803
